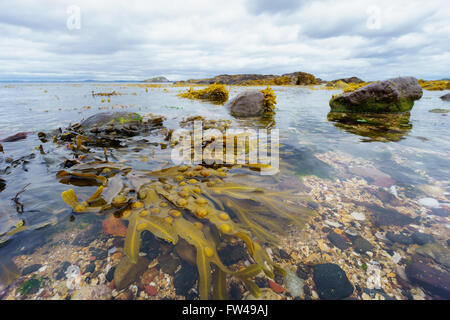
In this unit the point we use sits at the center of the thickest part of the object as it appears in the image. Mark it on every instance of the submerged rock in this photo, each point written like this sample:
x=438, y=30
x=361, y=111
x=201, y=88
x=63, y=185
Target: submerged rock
x=446, y=97
x=422, y=238
x=437, y=252
x=338, y=240
x=361, y=245
x=247, y=104
x=127, y=272
x=399, y=238
x=433, y=280
x=16, y=137
x=293, y=284
x=331, y=282
x=388, y=96
x=103, y=118
x=88, y=292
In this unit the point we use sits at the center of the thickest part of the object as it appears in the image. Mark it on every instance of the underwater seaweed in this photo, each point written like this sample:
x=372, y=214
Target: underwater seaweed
x=199, y=206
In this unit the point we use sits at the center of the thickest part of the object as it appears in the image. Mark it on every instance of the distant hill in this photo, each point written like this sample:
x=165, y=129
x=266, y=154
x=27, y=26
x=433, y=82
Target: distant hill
x=157, y=79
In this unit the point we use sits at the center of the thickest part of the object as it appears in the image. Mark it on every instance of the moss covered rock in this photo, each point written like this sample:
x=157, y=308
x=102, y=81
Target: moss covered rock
x=389, y=96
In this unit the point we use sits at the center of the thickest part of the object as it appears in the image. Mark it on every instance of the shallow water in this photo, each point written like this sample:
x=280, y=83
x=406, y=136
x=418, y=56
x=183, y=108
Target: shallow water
x=411, y=155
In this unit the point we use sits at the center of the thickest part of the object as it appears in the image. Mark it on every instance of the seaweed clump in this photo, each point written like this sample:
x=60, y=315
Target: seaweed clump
x=198, y=205
x=216, y=93
x=435, y=85
x=269, y=101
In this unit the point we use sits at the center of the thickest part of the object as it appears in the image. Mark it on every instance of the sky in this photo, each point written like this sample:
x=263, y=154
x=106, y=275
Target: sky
x=136, y=40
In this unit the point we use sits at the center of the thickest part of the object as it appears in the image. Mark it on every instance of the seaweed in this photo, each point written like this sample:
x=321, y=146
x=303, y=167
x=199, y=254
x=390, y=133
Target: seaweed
x=216, y=93
x=197, y=205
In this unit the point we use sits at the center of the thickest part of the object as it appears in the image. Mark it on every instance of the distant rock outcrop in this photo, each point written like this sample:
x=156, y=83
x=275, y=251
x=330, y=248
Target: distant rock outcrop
x=157, y=79
x=388, y=96
x=348, y=80
x=295, y=78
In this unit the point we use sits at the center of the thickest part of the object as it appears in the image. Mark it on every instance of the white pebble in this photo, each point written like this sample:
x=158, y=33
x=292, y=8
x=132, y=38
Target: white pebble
x=429, y=202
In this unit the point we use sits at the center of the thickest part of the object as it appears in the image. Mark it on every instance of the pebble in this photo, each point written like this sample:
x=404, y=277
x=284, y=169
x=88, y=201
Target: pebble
x=429, y=202
x=331, y=282
x=358, y=216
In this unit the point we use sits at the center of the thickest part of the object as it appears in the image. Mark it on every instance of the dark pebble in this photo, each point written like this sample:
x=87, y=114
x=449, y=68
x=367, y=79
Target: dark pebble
x=338, y=240
x=100, y=254
x=432, y=280
x=110, y=275
x=31, y=269
x=262, y=282
x=361, y=245
x=388, y=217
x=372, y=293
x=441, y=212
x=90, y=268
x=302, y=271
x=422, y=238
x=232, y=254
x=185, y=279
x=60, y=273
x=235, y=291
x=313, y=205
x=399, y=238
x=331, y=282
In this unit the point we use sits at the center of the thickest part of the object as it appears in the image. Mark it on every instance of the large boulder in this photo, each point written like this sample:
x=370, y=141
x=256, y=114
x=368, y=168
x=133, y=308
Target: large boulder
x=446, y=97
x=388, y=96
x=103, y=118
x=247, y=104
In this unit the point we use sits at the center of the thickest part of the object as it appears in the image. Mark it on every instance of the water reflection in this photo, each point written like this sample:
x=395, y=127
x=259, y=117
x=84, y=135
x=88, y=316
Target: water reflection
x=373, y=127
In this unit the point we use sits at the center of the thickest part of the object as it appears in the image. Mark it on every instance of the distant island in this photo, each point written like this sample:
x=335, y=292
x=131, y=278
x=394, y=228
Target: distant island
x=157, y=79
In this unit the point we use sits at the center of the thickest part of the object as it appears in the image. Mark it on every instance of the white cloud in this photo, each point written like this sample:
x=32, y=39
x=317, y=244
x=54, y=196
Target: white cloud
x=180, y=39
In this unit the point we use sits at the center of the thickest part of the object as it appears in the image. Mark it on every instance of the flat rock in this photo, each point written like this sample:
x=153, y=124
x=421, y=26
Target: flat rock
x=361, y=245
x=331, y=282
x=88, y=292
x=399, y=238
x=422, y=238
x=437, y=252
x=433, y=280
x=127, y=272
x=388, y=96
x=338, y=240
x=388, y=217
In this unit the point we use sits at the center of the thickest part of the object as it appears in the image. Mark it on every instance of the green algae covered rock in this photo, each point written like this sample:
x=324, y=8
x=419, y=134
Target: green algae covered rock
x=388, y=96
x=103, y=118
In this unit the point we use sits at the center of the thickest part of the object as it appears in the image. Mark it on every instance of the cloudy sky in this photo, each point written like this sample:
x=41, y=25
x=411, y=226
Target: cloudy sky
x=134, y=40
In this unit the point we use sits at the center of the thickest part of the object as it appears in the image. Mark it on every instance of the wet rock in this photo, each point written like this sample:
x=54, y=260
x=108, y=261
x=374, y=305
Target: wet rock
x=30, y=286
x=126, y=272
x=338, y=240
x=185, y=279
x=399, y=238
x=232, y=254
x=429, y=202
x=388, y=217
x=110, y=274
x=2, y=184
x=114, y=226
x=293, y=284
x=86, y=237
x=437, y=252
x=331, y=282
x=441, y=212
x=235, y=291
x=88, y=292
x=16, y=137
x=31, y=269
x=422, y=238
x=168, y=263
x=361, y=245
x=186, y=251
x=60, y=273
x=247, y=104
x=276, y=287
x=302, y=271
x=280, y=253
x=388, y=96
x=374, y=292
x=99, y=254
x=446, y=97
x=431, y=279
x=103, y=118
x=90, y=268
